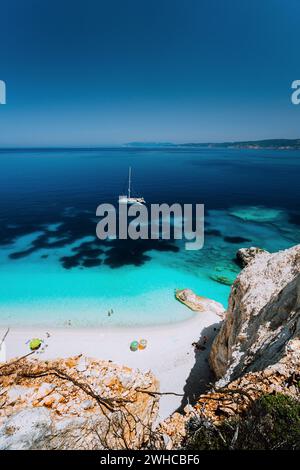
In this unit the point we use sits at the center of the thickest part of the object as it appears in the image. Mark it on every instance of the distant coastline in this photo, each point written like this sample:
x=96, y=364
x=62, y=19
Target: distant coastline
x=268, y=144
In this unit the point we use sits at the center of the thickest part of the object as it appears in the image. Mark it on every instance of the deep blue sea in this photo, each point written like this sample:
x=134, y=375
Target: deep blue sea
x=55, y=272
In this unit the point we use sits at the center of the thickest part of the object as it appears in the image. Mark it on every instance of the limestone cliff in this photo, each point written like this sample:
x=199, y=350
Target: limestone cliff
x=75, y=403
x=262, y=324
x=257, y=350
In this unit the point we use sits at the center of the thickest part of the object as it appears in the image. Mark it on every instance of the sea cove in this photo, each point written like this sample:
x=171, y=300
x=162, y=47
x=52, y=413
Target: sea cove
x=55, y=272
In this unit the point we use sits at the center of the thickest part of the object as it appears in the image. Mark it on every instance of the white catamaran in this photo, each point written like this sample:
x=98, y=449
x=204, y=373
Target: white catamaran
x=127, y=199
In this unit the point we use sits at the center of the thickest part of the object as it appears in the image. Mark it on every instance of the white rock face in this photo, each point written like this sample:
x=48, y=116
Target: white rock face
x=23, y=429
x=262, y=324
x=198, y=303
x=75, y=403
x=245, y=255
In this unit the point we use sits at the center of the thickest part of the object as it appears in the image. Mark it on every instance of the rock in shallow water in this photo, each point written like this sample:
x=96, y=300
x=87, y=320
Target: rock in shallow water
x=245, y=255
x=222, y=279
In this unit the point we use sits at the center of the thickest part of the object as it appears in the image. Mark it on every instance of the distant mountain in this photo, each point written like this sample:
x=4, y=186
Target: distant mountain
x=273, y=144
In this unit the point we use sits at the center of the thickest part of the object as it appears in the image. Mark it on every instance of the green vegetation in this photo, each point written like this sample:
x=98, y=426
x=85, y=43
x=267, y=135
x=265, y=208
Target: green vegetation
x=272, y=422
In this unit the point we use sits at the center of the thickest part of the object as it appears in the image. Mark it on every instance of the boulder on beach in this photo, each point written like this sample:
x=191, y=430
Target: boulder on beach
x=197, y=303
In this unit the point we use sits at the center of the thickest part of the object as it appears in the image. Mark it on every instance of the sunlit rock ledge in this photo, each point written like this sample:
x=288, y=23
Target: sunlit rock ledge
x=75, y=403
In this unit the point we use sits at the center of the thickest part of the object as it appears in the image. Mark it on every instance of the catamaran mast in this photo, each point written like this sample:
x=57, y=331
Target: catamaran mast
x=129, y=182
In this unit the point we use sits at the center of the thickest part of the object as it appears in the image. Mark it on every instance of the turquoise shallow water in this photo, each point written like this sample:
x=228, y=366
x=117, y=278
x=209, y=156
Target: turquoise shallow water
x=54, y=272
x=42, y=292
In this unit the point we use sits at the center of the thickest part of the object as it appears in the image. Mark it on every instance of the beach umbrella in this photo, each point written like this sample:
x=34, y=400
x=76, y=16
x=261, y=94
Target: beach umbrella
x=35, y=343
x=134, y=345
x=142, y=344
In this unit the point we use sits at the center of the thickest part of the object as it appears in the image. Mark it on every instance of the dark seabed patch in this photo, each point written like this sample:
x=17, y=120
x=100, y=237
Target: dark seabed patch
x=132, y=252
x=91, y=263
x=294, y=217
x=213, y=232
x=88, y=254
x=236, y=239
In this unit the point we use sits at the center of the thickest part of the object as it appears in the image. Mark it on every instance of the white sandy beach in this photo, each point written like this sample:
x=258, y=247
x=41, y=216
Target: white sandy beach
x=169, y=353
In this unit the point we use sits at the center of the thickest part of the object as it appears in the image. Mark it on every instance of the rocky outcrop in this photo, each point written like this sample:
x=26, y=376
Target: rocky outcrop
x=257, y=350
x=232, y=400
x=75, y=403
x=245, y=255
x=197, y=303
x=262, y=324
x=236, y=397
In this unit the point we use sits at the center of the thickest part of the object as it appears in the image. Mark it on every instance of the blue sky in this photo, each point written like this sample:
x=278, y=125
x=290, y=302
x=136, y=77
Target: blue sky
x=93, y=72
